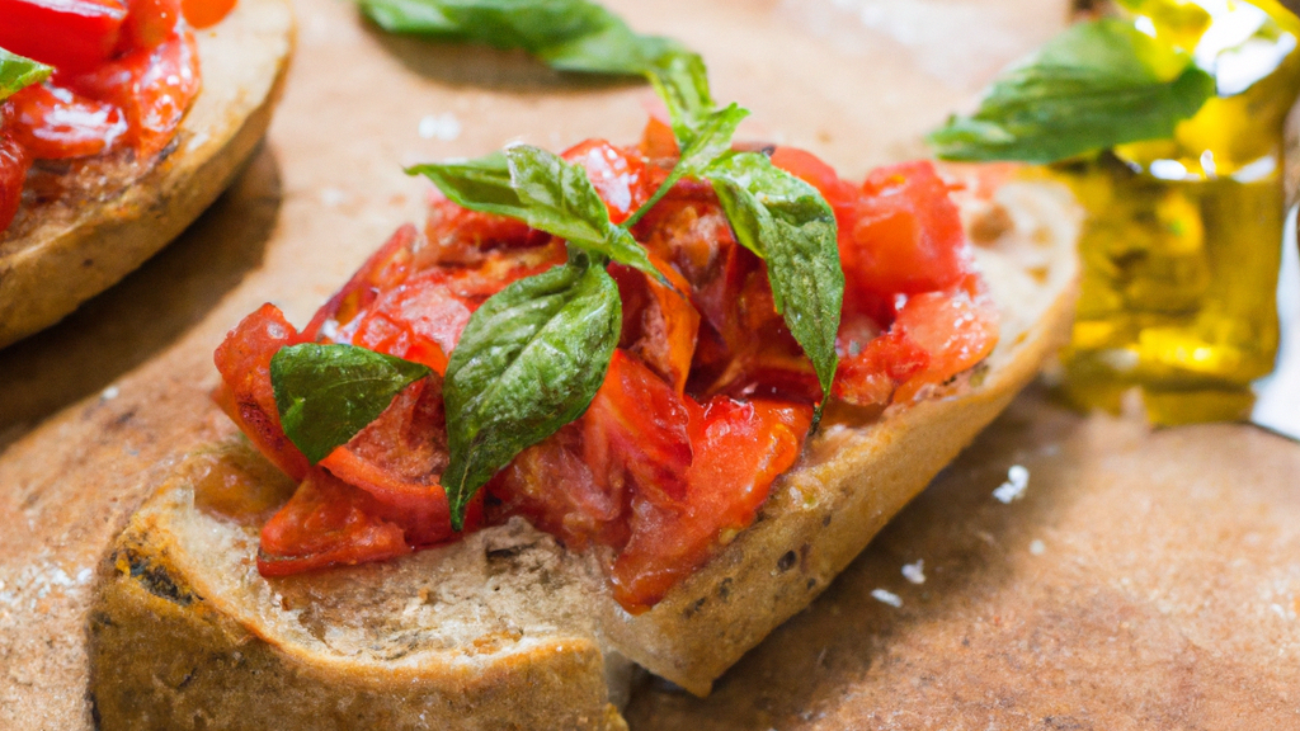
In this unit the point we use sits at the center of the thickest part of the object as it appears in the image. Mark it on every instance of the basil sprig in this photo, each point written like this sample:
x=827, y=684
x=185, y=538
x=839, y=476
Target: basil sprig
x=569, y=35
x=530, y=361
x=542, y=190
x=327, y=393
x=774, y=214
x=18, y=72
x=1098, y=84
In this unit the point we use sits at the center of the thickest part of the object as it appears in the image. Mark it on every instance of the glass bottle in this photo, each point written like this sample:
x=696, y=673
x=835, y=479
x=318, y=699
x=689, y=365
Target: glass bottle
x=1183, y=242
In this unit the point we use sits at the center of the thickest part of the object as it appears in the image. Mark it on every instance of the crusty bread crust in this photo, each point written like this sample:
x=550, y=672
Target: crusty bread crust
x=506, y=629
x=77, y=248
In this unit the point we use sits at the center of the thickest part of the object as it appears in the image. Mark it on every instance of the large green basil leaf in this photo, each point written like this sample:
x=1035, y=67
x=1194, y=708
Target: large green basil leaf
x=421, y=17
x=327, y=393
x=787, y=222
x=542, y=190
x=1099, y=84
x=18, y=72
x=530, y=361
x=570, y=35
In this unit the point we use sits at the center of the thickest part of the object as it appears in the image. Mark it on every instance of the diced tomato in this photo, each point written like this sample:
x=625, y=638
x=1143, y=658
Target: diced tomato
x=551, y=486
x=658, y=141
x=906, y=236
x=14, y=164
x=246, y=395
x=54, y=123
x=460, y=236
x=327, y=523
x=636, y=429
x=75, y=35
x=955, y=330
x=149, y=23
x=660, y=325
x=617, y=175
x=740, y=449
x=206, y=13
x=870, y=377
x=153, y=86
x=809, y=168
x=400, y=456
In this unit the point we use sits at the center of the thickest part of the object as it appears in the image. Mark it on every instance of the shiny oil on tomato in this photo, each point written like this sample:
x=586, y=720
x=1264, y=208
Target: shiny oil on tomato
x=707, y=401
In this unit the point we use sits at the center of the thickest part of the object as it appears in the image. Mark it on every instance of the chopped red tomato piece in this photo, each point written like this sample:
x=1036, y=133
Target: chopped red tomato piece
x=153, y=86
x=809, y=168
x=740, y=449
x=660, y=324
x=618, y=176
x=907, y=235
x=658, y=141
x=636, y=429
x=149, y=23
x=551, y=486
x=54, y=123
x=399, y=459
x=870, y=377
x=460, y=236
x=206, y=13
x=14, y=164
x=246, y=395
x=67, y=34
x=955, y=330
x=327, y=523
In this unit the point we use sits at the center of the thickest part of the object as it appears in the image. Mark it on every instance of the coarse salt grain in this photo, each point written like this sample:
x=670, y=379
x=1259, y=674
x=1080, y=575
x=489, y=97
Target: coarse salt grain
x=1037, y=547
x=1014, y=488
x=884, y=596
x=915, y=572
x=110, y=393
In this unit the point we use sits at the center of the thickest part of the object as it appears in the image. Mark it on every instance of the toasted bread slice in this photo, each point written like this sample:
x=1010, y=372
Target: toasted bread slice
x=506, y=629
x=113, y=213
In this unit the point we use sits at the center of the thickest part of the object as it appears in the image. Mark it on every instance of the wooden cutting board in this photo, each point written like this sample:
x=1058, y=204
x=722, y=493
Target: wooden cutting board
x=1163, y=592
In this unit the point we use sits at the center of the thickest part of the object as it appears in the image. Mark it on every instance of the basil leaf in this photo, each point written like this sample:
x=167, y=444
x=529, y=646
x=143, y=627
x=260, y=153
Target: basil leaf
x=786, y=221
x=327, y=393
x=569, y=35
x=1099, y=84
x=682, y=81
x=18, y=72
x=530, y=361
x=412, y=16
x=542, y=190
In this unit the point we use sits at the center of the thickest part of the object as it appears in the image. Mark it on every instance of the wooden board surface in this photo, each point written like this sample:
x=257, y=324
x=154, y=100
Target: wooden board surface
x=1168, y=585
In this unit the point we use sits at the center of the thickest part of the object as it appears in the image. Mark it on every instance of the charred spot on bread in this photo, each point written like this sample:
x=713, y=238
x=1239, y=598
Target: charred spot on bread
x=153, y=577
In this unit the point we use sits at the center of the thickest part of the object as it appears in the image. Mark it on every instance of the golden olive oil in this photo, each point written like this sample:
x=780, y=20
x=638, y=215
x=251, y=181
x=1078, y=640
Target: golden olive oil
x=1183, y=243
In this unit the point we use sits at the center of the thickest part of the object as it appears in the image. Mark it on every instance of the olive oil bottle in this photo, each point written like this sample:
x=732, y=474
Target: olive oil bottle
x=1183, y=243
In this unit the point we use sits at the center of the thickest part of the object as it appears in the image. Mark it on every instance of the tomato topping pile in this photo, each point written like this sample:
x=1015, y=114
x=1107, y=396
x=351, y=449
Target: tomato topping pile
x=707, y=401
x=126, y=71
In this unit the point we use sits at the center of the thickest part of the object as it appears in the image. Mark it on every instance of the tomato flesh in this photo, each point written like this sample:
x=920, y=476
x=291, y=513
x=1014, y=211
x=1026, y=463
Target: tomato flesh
x=66, y=34
x=619, y=177
x=54, y=123
x=740, y=450
x=206, y=13
x=14, y=164
x=152, y=86
x=907, y=235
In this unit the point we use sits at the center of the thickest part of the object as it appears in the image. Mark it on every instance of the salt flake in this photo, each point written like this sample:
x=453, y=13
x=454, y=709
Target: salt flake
x=885, y=596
